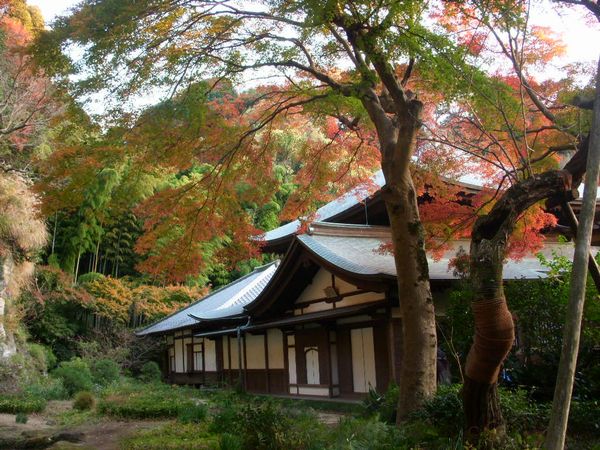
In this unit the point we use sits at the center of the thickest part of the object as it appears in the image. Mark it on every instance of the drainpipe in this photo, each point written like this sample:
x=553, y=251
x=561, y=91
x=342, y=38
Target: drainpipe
x=239, y=344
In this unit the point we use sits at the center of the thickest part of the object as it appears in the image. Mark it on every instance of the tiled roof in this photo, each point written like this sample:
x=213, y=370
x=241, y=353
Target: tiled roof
x=354, y=248
x=225, y=302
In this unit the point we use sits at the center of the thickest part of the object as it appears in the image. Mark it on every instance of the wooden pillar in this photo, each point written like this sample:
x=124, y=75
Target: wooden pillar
x=268, y=376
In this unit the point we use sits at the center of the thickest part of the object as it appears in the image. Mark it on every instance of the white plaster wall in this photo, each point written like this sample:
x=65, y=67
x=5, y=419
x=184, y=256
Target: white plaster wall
x=316, y=290
x=210, y=355
x=255, y=348
x=275, y=338
x=363, y=359
x=309, y=390
x=234, y=352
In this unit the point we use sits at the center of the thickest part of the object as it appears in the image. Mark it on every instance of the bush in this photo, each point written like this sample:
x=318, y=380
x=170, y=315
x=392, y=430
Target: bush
x=14, y=404
x=84, y=401
x=38, y=356
x=521, y=414
x=263, y=424
x=105, y=371
x=366, y=434
x=48, y=389
x=21, y=418
x=89, y=277
x=444, y=411
x=385, y=405
x=194, y=414
x=75, y=375
x=585, y=417
x=150, y=372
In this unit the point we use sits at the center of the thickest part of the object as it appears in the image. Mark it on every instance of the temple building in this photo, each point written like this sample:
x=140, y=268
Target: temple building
x=324, y=319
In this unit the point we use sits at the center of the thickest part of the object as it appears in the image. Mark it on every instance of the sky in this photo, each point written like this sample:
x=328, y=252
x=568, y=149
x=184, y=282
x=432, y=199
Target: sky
x=576, y=33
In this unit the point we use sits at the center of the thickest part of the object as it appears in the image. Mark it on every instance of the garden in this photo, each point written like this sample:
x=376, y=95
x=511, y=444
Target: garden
x=82, y=403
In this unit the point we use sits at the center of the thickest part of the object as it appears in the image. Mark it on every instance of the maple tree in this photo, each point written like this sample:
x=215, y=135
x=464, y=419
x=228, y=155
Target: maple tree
x=516, y=133
x=352, y=68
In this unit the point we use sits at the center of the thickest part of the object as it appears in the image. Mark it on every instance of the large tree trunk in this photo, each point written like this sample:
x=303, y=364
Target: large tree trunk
x=494, y=328
x=418, y=370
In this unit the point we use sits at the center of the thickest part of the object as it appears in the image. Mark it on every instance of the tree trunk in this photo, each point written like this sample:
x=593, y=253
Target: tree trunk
x=54, y=232
x=494, y=327
x=555, y=438
x=418, y=369
x=77, y=266
x=7, y=341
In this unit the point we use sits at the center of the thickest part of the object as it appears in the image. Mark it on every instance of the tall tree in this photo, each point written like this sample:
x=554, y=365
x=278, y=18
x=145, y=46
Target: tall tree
x=303, y=44
x=518, y=141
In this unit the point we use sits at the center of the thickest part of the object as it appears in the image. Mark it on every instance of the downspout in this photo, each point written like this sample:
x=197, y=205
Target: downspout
x=241, y=372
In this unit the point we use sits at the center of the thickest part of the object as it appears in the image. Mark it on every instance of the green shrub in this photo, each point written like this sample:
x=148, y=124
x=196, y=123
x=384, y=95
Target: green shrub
x=84, y=401
x=264, y=424
x=174, y=437
x=75, y=375
x=14, y=404
x=385, y=405
x=194, y=414
x=105, y=371
x=51, y=359
x=584, y=417
x=89, y=277
x=444, y=411
x=150, y=372
x=366, y=434
x=521, y=414
x=48, y=388
x=231, y=442
x=21, y=418
x=38, y=356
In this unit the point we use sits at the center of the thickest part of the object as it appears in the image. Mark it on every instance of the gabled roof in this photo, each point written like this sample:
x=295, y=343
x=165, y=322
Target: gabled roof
x=356, y=250
x=353, y=252
x=224, y=303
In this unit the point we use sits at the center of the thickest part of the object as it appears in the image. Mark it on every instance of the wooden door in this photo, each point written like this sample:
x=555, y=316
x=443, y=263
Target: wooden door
x=363, y=359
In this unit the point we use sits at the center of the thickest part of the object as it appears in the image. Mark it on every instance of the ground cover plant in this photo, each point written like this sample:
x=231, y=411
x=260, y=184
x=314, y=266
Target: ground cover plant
x=133, y=400
x=188, y=418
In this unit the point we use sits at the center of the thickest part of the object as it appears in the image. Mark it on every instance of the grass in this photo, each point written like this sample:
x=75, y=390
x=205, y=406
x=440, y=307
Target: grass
x=21, y=403
x=134, y=400
x=173, y=436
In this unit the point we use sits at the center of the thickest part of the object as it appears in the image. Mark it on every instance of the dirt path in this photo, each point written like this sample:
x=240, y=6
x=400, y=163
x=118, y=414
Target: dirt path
x=105, y=435
x=102, y=434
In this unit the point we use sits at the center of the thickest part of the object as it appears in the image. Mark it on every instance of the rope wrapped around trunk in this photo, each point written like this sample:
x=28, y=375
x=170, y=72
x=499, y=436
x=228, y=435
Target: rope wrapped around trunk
x=494, y=337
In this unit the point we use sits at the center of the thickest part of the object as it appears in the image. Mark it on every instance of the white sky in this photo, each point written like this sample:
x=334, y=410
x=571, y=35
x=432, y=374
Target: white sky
x=581, y=35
